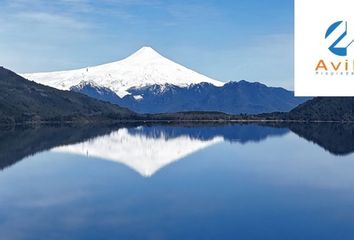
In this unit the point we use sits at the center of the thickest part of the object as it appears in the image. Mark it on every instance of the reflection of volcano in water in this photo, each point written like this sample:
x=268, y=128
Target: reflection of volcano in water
x=141, y=153
x=148, y=149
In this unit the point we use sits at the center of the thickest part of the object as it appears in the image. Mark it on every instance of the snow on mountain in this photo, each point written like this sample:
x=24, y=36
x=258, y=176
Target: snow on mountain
x=143, y=68
x=89, y=83
x=143, y=154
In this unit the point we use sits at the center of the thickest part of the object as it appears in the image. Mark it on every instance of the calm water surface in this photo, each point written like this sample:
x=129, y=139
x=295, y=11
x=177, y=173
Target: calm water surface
x=178, y=182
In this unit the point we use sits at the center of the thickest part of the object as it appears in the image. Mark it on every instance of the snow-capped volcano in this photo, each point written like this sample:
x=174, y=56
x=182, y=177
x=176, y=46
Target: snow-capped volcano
x=143, y=68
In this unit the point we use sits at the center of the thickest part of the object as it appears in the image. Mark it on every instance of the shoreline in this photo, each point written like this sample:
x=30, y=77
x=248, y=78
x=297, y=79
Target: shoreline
x=167, y=121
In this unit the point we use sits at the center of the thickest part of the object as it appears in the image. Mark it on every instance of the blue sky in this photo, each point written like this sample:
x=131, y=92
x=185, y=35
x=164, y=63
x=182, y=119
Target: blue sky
x=225, y=40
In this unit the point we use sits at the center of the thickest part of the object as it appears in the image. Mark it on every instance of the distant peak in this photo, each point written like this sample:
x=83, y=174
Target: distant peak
x=146, y=48
x=146, y=51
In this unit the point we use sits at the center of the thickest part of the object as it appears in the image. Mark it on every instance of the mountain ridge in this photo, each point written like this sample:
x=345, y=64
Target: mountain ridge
x=233, y=98
x=23, y=100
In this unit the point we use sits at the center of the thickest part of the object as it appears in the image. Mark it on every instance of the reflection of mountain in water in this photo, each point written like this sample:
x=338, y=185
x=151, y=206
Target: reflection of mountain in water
x=336, y=138
x=20, y=143
x=146, y=149
x=242, y=133
x=143, y=154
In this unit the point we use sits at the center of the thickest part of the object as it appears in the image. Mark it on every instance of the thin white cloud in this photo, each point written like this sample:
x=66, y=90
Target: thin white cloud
x=51, y=19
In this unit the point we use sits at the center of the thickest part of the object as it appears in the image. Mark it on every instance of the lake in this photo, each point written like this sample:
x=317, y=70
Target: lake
x=239, y=181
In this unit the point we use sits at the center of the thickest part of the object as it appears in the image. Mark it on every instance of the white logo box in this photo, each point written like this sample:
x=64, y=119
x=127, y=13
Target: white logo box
x=335, y=77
